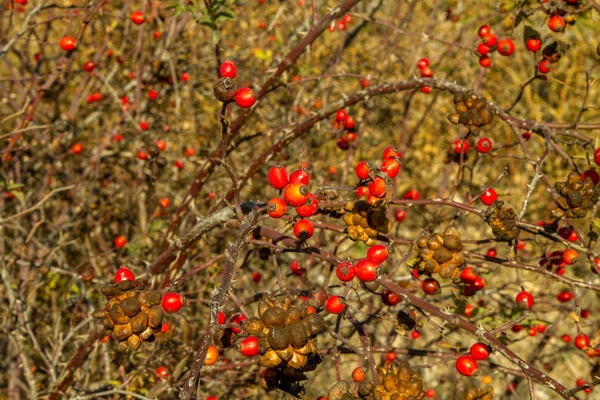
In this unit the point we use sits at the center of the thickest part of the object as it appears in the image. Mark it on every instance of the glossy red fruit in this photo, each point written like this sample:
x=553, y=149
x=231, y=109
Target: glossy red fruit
x=334, y=305
x=431, y=286
x=345, y=271
x=89, y=66
x=172, y=302
x=363, y=170
x=278, y=177
x=296, y=268
x=485, y=61
x=597, y=156
x=482, y=49
x=478, y=284
x=256, y=277
x=309, y=208
x=301, y=175
x=249, y=346
x=556, y=23
x=391, y=153
x=237, y=319
x=524, y=299
x=492, y=252
x=120, y=241
x=221, y=318
x=480, y=351
x=422, y=63
x=459, y=146
x=467, y=366
x=124, y=274
x=468, y=310
x=426, y=89
x=467, y=275
x=426, y=72
x=362, y=191
x=544, y=66
x=77, y=148
x=412, y=194
x=400, y=215
x=358, y=374
x=390, y=298
x=415, y=334
x=377, y=187
x=533, y=44
x=303, y=229
x=138, y=17
x=367, y=269
x=349, y=123
x=276, y=207
x=429, y=393
x=570, y=256
x=506, y=47
x=161, y=144
x=341, y=116
x=390, y=167
x=567, y=232
x=484, y=30
x=245, y=98
x=296, y=194
x=566, y=338
x=592, y=174
x=484, y=145
x=68, y=43
x=378, y=252
x=489, y=197
x=162, y=372
x=489, y=40
x=228, y=69
x=582, y=341
x=563, y=297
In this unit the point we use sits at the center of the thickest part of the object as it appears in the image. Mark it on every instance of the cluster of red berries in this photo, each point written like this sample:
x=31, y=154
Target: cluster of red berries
x=490, y=43
x=295, y=194
x=226, y=89
x=375, y=179
x=426, y=72
x=366, y=269
x=484, y=145
x=559, y=259
x=346, y=123
x=342, y=24
x=473, y=282
x=94, y=97
x=467, y=365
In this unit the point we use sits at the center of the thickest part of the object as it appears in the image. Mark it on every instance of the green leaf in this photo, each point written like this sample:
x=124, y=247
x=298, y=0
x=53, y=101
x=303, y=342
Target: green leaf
x=172, y=4
x=156, y=225
x=225, y=15
x=207, y=22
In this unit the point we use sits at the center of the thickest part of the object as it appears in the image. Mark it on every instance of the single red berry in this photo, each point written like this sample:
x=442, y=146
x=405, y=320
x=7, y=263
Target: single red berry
x=138, y=17
x=467, y=366
x=524, y=299
x=532, y=331
x=430, y=393
x=582, y=341
x=391, y=153
x=377, y=187
x=161, y=144
x=570, y=256
x=390, y=167
x=296, y=268
x=362, y=191
x=431, y=286
x=142, y=155
x=533, y=44
x=390, y=298
x=426, y=72
x=492, y=252
x=400, y=215
x=120, y=241
x=484, y=145
x=378, y=252
x=249, y=346
x=278, y=177
x=597, y=156
x=349, y=123
x=228, y=69
x=563, y=297
x=478, y=283
x=144, y=125
x=178, y=164
x=489, y=197
x=334, y=305
x=301, y=175
x=468, y=310
x=566, y=338
x=256, y=277
x=592, y=174
x=460, y=145
x=363, y=169
x=556, y=23
x=341, y=116
x=245, y=98
x=516, y=328
x=77, y=148
x=152, y=94
x=520, y=244
x=541, y=328
x=482, y=49
x=485, y=61
x=296, y=194
x=364, y=82
x=162, y=372
x=544, y=66
x=367, y=269
x=391, y=356
x=584, y=313
x=172, y=302
x=506, y=47
x=480, y=351
x=467, y=275
x=89, y=66
x=157, y=34
x=358, y=374
x=412, y=194
x=422, y=63
x=484, y=30
x=124, y=274
x=68, y=43
x=426, y=89
x=276, y=207
x=222, y=318
x=237, y=319
x=489, y=40
x=303, y=229
x=185, y=77
x=309, y=208
x=415, y=334
x=345, y=271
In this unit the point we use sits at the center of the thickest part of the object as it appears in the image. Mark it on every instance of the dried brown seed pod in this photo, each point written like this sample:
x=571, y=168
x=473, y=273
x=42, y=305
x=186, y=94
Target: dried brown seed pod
x=130, y=306
x=270, y=359
x=134, y=342
x=122, y=347
x=144, y=299
x=155, y=297
x=100, y=314
x=155, y=316
x=297, y=334
x=147, y=333
x=297, y=361
x=139, y=323
x=225, y=89
x=274, y=316
x=278, y=338
x=314, y=324
x=125, y=285
x=117, y=315
x=122, y=332
x=286, y=354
